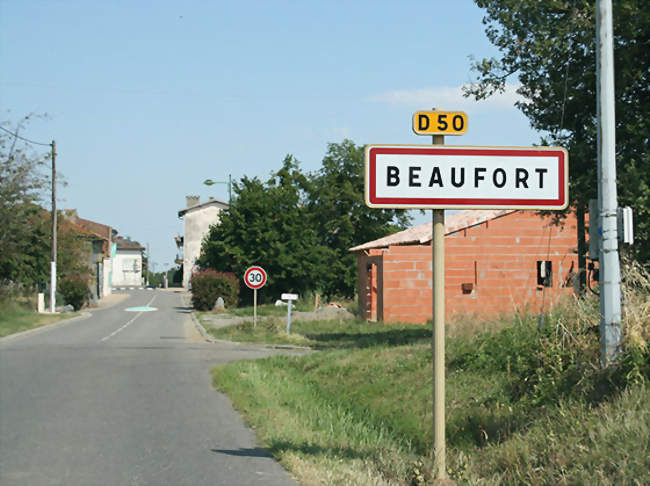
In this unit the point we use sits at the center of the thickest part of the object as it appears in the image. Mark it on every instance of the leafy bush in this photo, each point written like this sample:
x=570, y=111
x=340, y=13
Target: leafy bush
x=74, y=290
x=208, y=285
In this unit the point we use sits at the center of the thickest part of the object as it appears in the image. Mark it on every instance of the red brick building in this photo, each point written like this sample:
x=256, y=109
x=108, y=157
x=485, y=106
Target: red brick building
x=496, y=261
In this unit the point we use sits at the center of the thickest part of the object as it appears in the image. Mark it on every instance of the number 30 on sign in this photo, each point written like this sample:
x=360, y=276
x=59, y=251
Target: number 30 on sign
x=439, y=122
x=255, y=277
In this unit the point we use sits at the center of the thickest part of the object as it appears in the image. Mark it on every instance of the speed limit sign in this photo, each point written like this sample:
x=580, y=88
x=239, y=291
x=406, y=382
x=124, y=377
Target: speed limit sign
x=255, y=278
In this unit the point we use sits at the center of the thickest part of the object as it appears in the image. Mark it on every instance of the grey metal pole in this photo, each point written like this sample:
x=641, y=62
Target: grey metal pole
x=289, y=317
x=54, y=234
x=438, y=340
x=610, y=274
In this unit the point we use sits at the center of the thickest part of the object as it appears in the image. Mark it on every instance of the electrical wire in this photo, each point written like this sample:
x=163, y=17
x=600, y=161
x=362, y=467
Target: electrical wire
x=23, y=138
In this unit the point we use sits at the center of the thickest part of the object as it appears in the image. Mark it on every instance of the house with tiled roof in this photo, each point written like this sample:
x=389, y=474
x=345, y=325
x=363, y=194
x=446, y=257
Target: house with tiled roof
x=100, y=237
x=496, y=261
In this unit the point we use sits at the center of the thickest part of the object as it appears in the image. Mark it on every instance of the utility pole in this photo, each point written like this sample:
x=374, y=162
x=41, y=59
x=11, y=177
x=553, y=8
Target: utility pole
x=54, y=227
x=610, y=273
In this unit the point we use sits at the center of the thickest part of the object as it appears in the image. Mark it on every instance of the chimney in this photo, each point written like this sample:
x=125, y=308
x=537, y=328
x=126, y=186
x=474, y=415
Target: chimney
x=192, y=200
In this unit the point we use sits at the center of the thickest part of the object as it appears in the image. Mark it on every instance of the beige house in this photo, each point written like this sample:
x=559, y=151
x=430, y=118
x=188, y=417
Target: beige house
x=198, y=217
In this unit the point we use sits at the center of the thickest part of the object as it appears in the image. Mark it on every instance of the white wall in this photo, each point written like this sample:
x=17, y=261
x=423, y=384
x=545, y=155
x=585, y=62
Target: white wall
x=197, y=225
x=127, y=268
x=108, y=269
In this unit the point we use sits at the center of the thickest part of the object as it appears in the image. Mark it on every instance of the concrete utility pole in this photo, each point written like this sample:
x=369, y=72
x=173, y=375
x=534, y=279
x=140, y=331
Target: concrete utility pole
x=610, y=273
x=54, y=227
x=438, y=342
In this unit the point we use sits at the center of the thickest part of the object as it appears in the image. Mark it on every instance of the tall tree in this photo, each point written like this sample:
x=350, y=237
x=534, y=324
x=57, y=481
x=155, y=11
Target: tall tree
x=342, y=217
x=22, y=182
x=549, y=46
x=300, y=227
x=269, y=224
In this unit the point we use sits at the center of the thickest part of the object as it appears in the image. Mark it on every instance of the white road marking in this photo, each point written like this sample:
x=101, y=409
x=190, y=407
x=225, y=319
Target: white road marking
x=106, y=338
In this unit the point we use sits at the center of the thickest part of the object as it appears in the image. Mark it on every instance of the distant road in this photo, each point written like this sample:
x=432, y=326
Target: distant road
x=124, y=398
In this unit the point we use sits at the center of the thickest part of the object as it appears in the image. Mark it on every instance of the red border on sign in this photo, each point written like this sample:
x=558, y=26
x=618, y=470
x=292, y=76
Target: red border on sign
x=249, y=270
x=556, y=153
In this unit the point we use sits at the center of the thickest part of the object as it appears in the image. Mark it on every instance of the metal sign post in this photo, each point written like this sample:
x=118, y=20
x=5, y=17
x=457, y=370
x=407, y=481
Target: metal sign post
x=438, y=338
x=289, y=298
x=255, y=278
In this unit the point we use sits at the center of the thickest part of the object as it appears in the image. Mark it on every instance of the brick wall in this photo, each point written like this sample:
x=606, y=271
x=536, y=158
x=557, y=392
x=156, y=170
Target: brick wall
x=490, y=268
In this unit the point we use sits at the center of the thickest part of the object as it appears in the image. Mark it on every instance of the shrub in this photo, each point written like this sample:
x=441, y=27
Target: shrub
x=74, y=290
x=208, y=285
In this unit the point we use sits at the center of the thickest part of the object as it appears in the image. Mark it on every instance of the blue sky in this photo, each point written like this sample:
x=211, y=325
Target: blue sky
x=147, y=99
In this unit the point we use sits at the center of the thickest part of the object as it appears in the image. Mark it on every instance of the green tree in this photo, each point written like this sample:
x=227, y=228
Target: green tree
x=269, y=224
x=300, y=227
x=342, y=217
x=21, y=186
x=549, y=46
x=25, y=227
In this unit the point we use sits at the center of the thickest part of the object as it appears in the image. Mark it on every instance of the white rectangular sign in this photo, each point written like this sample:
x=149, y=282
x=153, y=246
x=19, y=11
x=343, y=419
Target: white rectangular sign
x=289, y=297
x=443, y=176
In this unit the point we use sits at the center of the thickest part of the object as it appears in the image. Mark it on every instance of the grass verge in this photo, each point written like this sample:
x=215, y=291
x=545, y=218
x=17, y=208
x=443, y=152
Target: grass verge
x=523, y=406
x=325, y=334
x=363, y=416
x=14, y=318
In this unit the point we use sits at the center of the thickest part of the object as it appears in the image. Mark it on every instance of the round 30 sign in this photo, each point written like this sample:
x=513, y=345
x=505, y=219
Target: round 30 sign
x=255, y=278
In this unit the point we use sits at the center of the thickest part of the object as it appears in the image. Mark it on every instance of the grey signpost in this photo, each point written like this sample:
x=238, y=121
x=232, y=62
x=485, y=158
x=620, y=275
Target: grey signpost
x=289, y=298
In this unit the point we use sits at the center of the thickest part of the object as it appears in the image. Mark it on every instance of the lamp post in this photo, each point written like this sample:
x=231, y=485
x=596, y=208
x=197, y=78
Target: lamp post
x=210, y=182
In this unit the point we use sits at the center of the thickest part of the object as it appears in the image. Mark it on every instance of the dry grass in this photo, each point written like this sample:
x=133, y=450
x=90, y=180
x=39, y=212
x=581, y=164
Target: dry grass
x=636, y=308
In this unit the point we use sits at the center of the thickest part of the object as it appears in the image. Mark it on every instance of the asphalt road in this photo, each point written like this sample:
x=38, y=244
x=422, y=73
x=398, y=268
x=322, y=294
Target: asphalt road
x=124, y=398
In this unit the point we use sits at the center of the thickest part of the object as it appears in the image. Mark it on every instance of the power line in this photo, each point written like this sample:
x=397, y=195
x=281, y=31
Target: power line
x=23, y=138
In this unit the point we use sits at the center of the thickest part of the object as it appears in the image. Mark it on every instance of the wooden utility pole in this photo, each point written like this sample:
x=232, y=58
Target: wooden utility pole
x=54, y=235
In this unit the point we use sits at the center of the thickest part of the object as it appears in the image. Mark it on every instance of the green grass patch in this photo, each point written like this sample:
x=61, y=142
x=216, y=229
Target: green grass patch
x=325, y=334
x=14, y=318
x=523, y=407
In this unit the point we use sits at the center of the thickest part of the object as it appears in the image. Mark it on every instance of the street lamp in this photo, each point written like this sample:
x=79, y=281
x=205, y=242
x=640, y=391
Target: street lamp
x=210, y=182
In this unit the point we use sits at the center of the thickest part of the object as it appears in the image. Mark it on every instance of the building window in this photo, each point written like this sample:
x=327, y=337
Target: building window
x=544, y=273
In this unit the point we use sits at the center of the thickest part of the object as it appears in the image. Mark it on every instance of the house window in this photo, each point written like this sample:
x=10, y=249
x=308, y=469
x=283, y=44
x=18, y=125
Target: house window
x=544, y=273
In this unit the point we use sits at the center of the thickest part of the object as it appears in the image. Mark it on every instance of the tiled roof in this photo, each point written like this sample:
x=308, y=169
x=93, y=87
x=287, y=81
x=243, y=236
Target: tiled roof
x=422, y=234
x=99, y=230
x=124, y=244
